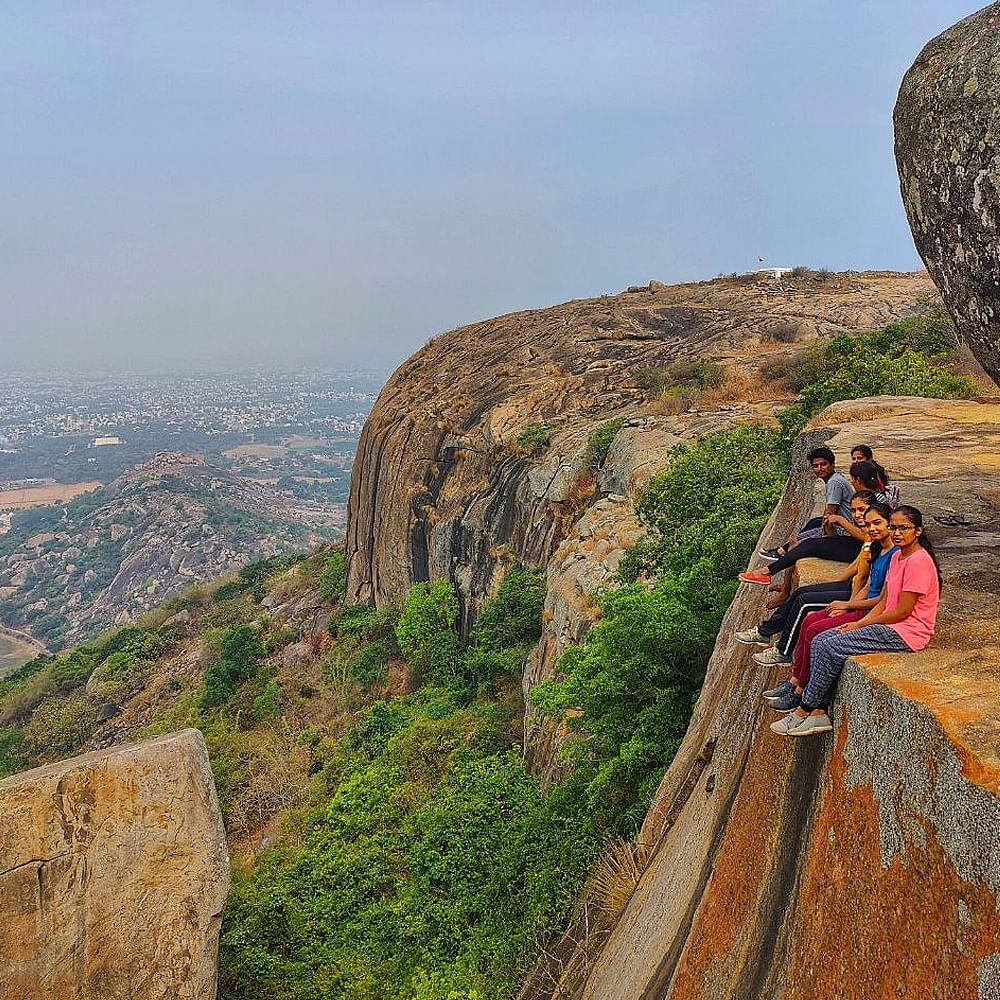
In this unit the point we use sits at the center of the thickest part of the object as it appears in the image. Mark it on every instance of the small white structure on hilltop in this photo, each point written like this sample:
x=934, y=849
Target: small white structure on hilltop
x=101, y=442
x=776, y=272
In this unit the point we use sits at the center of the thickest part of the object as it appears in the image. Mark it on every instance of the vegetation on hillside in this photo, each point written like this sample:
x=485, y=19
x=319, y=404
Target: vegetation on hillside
x=412, y=853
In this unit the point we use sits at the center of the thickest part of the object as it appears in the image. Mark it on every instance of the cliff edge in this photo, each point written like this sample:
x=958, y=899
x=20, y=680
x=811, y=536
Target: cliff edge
x=862, y=866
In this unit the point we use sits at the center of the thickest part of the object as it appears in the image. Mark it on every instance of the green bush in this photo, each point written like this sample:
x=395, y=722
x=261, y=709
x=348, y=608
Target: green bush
x=626, y=693
x=14, y=751
x=534, y=438
x=435, y=867
x=513, y=617
x=426, y=632
x=601, y=439
x=333, y=578
x=368, y=667
x=241, y=651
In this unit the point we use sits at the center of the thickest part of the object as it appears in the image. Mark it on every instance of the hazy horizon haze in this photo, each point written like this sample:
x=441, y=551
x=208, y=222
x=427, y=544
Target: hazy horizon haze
x=211, y=184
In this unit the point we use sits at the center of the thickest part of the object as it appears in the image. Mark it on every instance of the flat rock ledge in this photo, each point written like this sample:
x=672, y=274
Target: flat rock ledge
x=866, y=865
x=113, y=875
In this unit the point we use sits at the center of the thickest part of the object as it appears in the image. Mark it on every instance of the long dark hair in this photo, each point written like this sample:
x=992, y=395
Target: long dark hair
x=866, y=473
x=884, y=510
x=918, y=521
x=869, y=457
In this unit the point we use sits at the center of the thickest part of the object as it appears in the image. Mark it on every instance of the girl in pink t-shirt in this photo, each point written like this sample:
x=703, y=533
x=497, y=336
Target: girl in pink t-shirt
x=902, y=622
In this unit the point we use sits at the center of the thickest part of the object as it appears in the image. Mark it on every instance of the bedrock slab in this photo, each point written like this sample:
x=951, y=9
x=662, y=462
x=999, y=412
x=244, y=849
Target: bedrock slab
x=113, y=875
x=862, y=865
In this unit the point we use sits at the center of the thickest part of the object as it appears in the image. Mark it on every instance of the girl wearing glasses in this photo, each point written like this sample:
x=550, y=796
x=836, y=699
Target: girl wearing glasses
x=902, y=622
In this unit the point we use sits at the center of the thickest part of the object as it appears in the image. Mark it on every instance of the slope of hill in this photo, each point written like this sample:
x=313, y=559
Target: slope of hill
x=418, y=793
x=68, y=572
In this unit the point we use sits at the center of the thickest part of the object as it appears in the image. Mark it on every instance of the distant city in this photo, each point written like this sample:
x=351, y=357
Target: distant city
x=62, y=434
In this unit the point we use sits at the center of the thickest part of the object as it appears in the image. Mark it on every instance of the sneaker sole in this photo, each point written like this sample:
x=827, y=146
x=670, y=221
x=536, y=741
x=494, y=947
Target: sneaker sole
x=782, y=711
x=768, y=558
x=754, y=642
x=811, y=731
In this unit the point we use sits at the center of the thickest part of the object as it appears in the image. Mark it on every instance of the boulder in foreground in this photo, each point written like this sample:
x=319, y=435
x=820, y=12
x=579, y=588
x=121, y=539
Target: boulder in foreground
x=113, y=875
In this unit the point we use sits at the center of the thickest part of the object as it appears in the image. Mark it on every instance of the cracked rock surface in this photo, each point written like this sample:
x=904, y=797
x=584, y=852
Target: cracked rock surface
x=113, y=875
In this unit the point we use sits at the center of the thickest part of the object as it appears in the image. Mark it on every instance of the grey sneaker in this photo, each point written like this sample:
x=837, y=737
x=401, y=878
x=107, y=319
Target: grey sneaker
x=770, y=657
x=778, y=690
x=752, y=637
x=786, y=702
x=785, y=726
x=813, y=724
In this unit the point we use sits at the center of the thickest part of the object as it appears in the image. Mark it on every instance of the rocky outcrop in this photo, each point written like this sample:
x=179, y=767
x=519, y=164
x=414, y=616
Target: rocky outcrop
x=947, y=122
x=862, y=866
x=128, y=547
x=441, y=487
x=113, y=875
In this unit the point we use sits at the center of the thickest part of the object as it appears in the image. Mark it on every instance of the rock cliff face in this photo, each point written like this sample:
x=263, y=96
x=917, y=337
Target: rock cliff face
x=862, y=866
x=113, y=875
x=947, y=121
x=441, y=487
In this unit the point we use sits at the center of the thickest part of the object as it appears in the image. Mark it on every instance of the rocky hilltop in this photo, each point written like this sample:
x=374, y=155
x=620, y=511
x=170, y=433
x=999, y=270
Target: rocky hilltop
x=107, y=557
x=450, y=480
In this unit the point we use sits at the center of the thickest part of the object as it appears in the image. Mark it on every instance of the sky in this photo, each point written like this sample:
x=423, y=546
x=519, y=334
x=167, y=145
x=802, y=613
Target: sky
x=192, y=185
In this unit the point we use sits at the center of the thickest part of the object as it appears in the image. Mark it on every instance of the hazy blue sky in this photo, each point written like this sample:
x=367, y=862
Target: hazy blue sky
x=187, y=182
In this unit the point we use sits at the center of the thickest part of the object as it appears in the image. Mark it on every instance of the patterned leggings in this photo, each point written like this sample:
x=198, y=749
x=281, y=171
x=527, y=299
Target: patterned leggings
x=814, y=624
x=829, y=651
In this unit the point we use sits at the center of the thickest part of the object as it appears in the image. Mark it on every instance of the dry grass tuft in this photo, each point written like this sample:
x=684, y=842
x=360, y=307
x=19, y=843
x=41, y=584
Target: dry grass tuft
x=616, y=875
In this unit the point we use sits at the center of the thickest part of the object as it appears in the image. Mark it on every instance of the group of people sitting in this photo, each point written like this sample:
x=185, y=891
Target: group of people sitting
x=885, y=601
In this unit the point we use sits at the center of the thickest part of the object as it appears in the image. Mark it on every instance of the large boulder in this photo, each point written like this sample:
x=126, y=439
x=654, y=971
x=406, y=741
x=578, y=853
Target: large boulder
x=947, y=122
x=113, y=875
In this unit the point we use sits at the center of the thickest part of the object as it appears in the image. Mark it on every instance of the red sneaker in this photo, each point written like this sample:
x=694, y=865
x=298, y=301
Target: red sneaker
x=753, y=577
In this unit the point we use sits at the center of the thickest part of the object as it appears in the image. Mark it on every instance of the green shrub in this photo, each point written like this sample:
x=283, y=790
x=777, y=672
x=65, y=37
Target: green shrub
x=240, y=653
x=426, y=631
x=14, y=751
x=368, y=667
x=534, y=438
x=651, y=381
x=513, y=617
x=601, y=438
x=433, y=870
x=333, y=578
x=627, y=691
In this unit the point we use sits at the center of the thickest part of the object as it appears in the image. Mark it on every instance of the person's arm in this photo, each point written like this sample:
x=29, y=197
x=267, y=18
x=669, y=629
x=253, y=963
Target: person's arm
x=858, y=590
x=851, y=570
x=856, y=602
x=879, y=616
x=849, y=526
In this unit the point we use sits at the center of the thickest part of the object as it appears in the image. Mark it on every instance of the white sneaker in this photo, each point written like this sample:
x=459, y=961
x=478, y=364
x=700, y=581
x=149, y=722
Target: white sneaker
x=752, y=637
x=770, y=657
x=813, y=724
x=788, y=724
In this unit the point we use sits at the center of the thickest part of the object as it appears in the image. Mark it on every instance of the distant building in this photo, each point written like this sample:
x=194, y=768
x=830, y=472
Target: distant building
x=100, y=442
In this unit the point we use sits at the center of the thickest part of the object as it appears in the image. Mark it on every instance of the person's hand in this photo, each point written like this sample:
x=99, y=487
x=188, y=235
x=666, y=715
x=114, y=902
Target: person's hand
x=849, y=627
x=835, y=612
x=838, y=606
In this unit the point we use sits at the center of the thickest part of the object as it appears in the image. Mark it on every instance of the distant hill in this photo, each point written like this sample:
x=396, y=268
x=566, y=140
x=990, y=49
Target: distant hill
x=66, y=573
